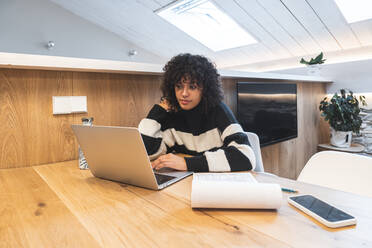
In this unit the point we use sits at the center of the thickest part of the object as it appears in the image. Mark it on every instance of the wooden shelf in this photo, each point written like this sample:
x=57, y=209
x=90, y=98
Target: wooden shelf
x=354, y=148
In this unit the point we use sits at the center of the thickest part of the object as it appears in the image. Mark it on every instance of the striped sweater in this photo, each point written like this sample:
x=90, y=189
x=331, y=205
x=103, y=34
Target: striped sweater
x=216, y=141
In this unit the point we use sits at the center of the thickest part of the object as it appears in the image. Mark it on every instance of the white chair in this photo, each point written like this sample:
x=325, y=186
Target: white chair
x=255, y=144
x=339, y=170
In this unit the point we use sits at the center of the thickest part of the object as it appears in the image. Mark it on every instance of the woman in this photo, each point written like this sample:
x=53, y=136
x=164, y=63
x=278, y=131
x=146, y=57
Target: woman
x=192, y=119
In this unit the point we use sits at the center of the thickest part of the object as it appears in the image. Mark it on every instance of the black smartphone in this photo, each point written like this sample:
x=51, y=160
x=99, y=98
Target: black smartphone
x=322, y=211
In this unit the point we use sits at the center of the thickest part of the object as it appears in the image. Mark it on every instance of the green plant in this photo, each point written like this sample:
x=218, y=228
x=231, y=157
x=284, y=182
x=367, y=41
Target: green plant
x=318, y=60
x=342, y=111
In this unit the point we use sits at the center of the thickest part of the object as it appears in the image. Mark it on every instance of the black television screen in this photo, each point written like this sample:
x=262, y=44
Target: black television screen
x=269, y=110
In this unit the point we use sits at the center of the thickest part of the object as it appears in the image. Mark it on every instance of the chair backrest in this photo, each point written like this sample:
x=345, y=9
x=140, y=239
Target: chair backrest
x=339, y=170
x=255, y=144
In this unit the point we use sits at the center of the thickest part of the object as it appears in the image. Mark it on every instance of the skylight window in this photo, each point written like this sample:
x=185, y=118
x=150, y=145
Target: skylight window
x=203, y=21
x=355, y=10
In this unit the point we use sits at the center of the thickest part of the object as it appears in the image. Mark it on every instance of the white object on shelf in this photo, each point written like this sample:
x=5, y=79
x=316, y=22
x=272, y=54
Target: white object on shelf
x=69, y=104
x=313, y=70
x=367, y=139
x=340, y=138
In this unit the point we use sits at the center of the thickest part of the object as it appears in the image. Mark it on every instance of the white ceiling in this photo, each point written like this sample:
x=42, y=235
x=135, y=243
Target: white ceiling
x=286, y=30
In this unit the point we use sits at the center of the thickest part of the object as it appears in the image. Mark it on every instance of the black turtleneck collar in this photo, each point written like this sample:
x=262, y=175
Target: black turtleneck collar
x=196, y=111
x=193, y=119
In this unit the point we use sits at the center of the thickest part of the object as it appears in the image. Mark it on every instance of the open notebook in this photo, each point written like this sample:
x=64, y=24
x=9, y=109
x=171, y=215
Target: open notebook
x=233, y=190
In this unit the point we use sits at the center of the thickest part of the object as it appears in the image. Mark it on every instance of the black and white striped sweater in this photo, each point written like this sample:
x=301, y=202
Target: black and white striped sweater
x=216, y=141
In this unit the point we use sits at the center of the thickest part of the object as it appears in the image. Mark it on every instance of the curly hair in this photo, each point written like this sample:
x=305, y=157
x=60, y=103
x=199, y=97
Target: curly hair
x=198, y=69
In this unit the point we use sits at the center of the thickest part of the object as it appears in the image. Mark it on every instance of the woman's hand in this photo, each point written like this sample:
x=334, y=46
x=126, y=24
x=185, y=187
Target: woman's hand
x=170, y=161
x=164, y=104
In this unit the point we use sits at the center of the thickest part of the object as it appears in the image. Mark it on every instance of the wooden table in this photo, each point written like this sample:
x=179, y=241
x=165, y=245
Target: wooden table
x=58, y=205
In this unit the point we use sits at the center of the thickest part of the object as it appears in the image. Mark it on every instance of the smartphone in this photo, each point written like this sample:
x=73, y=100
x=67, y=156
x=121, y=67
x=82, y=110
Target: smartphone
x=322, y=211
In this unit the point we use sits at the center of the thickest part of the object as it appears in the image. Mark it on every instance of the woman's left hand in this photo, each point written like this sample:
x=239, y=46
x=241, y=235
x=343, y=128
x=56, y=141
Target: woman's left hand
x=171, y=161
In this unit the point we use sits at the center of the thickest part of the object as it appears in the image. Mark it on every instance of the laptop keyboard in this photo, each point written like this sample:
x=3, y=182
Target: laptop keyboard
x=161, y=178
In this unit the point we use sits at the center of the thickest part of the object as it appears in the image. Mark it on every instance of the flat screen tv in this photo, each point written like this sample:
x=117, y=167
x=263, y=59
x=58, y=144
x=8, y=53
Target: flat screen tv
x=269, y=110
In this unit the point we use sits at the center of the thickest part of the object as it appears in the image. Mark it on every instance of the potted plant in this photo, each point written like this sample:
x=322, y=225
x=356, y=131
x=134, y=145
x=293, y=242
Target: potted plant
x=313, y=64
x=342, y=114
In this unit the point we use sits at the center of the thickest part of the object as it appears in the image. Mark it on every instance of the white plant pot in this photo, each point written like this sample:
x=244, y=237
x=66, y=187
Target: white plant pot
x=313, y=70
x=341, y=138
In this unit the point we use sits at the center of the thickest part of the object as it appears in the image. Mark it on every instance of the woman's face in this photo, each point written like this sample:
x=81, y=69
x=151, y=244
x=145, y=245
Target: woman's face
x=188, y=94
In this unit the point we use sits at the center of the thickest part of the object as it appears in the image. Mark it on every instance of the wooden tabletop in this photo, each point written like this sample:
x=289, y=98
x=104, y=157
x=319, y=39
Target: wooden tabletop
x=58, y=205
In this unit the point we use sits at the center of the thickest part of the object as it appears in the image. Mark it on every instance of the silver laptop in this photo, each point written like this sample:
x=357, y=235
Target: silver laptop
x=119, y=154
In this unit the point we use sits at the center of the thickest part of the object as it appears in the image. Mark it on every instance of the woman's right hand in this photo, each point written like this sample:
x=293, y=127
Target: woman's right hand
x=164, y=104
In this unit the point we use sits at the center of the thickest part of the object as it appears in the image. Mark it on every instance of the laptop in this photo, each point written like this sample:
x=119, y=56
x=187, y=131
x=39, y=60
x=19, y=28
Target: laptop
x=119, y=154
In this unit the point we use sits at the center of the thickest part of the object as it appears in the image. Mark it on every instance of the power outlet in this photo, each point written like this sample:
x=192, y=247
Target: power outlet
x=69, y=104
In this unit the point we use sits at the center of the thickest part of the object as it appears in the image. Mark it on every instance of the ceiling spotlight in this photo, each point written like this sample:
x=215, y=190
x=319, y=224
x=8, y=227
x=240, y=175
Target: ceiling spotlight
x=132, y=53
x=50, y=44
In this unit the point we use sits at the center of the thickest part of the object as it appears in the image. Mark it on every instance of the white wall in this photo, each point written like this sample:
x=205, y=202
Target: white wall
x=27, y=25
x=356, y=76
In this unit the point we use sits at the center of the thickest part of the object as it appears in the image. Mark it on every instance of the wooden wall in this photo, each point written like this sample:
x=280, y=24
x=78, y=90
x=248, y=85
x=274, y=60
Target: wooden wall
x=31, y=135
x=289, y=157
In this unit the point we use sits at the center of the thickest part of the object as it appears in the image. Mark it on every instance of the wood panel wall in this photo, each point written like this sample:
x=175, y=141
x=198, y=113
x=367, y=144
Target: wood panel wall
x=31, y=135
x=289, y=157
